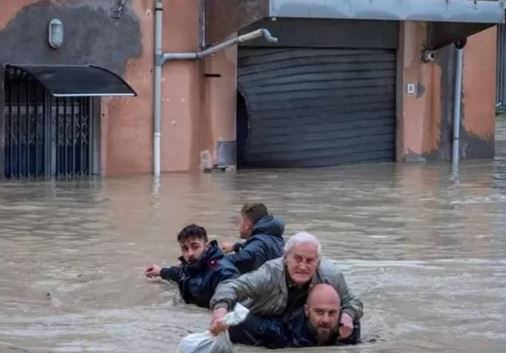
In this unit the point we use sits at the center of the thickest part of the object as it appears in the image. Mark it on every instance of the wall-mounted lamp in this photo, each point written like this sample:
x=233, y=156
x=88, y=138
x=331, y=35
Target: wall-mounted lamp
x=55, y=33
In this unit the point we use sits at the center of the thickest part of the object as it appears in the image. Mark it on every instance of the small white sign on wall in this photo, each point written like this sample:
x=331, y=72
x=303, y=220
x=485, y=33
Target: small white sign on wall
x=411, y=89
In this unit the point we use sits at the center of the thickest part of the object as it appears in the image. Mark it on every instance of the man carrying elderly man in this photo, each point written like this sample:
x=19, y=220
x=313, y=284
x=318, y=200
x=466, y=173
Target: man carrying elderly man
x=281, y=312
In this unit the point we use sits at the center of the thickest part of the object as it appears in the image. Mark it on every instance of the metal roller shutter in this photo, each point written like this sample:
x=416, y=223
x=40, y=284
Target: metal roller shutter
x=317, y=107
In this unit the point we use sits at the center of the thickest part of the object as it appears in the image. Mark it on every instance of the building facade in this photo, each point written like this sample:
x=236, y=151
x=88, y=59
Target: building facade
x=336, y=88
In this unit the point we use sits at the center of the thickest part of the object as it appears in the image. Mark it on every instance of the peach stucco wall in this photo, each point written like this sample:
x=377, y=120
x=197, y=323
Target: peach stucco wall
x=221, y=96
x=127, y=124
x=422, y=118
x=479, y=84
x=9, y=10
x=181, y=98
x=419, y=115
x=197, y=112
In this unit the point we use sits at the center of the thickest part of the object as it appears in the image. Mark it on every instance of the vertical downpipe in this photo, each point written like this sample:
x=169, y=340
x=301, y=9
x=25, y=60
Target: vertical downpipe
x=202, y=24
x=157, y=88
x=457, y=103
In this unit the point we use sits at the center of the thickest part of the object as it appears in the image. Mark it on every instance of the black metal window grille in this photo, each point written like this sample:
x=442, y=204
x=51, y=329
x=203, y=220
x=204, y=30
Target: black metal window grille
x=45, y=136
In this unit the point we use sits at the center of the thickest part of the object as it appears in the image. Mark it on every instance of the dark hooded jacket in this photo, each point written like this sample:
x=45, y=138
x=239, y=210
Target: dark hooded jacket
x=289, y=330
x=265, y=243
x=299, y=333
x=198, y=281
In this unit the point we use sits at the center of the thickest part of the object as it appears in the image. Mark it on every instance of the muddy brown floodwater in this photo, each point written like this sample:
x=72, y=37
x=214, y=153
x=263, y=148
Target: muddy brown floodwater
x=424, y=248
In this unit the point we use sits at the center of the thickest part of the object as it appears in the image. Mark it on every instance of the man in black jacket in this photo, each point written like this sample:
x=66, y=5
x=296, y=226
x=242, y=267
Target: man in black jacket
x=203, y=267
x=314, y=324
x=264, y=238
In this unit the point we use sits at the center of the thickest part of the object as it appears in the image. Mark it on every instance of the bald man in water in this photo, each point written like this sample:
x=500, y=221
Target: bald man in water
x=322, y=315
x=316, y=324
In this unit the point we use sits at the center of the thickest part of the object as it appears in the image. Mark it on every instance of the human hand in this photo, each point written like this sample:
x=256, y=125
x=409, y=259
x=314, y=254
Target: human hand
x=217, y=326
x=345, y=326
x=227, y=247
x=152, y=271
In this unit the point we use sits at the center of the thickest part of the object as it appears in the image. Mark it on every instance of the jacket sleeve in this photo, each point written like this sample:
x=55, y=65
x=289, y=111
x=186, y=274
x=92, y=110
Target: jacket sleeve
x=350, y=303
x=248, y=258
x=173, y=273
x=252, y=285
x=225, y=273
x=238, y=246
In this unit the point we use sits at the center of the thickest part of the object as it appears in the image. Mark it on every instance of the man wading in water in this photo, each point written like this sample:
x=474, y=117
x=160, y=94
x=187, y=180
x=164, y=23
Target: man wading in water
x=279, y=288
x=203, y=267
x=264, y=238
x=315, y=324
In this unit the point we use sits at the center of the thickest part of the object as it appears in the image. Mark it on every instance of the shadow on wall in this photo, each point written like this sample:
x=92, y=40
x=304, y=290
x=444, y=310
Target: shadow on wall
x=241, y=130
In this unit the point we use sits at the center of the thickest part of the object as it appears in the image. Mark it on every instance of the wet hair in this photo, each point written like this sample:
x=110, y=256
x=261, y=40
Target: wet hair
x=303, y=237
x=192, y=231
x=254, y=211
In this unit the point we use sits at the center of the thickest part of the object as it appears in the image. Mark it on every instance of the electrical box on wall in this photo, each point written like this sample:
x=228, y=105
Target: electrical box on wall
x=411, y=89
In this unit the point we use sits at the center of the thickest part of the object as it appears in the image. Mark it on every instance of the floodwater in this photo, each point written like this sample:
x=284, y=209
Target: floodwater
x=424, y=248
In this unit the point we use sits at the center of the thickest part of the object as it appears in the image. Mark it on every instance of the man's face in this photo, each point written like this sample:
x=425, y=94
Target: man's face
x=192, y=249
x=301, y=262
x=322, y=311
x=323, y=315
x=245, y=227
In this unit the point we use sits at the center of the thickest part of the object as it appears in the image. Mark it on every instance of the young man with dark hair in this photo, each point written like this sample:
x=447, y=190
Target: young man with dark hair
x=203, y=267
x=264, y=238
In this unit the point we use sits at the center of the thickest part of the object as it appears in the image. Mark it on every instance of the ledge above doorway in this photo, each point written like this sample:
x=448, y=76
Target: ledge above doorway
x=448, y=21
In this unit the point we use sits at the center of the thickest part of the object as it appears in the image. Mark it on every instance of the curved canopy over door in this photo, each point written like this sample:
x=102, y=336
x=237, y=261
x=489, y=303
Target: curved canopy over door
x=77, y=80
x=51, y=118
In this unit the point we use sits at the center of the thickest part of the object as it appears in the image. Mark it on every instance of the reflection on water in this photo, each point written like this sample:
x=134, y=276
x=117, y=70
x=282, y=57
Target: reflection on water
x=425, y=251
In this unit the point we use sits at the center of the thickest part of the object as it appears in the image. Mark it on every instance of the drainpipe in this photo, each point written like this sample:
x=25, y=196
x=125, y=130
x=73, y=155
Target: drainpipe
x=157, y=88
x=161, y=59
x=202, y=24
x=196, y=55
x=457, y=102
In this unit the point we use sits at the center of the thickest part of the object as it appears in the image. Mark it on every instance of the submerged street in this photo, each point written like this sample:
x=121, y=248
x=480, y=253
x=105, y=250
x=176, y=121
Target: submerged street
x=424, y=250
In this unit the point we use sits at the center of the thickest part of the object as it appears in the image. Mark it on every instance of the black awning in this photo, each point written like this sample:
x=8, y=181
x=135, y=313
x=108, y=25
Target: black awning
x=78, y=80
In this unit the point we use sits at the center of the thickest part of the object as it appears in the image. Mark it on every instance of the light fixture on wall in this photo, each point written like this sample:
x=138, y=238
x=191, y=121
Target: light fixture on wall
x=55, y=35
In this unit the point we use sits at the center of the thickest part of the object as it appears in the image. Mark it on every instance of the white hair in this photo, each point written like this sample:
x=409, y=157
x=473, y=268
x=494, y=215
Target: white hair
x=303, y=238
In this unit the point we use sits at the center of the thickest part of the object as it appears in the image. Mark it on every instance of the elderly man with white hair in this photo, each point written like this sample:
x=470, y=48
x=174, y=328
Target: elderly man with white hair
x=280, y=287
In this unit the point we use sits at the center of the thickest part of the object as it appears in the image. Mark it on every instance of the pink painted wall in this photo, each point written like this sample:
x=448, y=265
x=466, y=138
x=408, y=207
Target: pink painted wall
x=424, y=120
x=128, y=123
x=419, y=116
x=199, y=111
x=221, y=96
x=479, y=85
x=126, y=127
